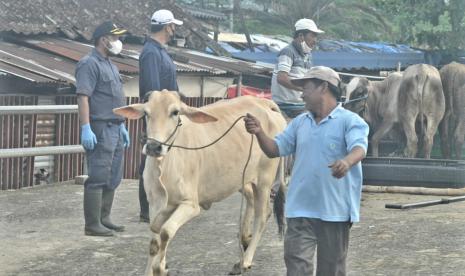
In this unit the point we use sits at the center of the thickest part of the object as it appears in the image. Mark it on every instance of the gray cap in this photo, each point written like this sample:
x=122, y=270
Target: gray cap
x=322, y=73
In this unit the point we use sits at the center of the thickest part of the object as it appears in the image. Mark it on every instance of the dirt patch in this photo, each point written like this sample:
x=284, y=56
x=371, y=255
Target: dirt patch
x=41, y=233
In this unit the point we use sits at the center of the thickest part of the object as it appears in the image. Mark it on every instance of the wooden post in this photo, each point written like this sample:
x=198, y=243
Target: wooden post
x=202, y=85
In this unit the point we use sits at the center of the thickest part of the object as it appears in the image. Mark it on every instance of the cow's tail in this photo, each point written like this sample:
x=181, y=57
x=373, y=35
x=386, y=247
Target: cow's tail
x=280, y=199
x=421, y=90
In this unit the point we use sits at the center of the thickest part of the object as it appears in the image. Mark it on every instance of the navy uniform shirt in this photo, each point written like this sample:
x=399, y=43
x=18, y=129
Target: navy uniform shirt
x=157, y=70
x=98, y=78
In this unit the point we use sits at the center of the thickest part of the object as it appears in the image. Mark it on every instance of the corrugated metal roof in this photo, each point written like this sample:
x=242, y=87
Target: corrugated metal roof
x=75, y=51
x=225, y=63
x=47, y=59
x=184, y=65
x=203, y=13
x=77, y=18
x=23, y=74
x=39, y=63
x=73, y=17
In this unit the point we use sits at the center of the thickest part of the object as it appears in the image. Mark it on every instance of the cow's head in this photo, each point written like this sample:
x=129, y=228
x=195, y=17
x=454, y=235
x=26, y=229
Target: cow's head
x=163, y=112
x=356, y=93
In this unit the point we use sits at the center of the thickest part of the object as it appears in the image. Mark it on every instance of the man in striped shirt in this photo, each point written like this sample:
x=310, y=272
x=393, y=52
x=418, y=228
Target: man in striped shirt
x=293, y=62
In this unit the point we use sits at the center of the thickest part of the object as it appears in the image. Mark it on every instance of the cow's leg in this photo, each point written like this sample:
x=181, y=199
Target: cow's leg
x=246, y=233
x=183, y=213
x=431, y=128
x=444, y=134
x=408, y=125
x=155, y=226
x=261, y=193
x=383, y=129
x=459, y=138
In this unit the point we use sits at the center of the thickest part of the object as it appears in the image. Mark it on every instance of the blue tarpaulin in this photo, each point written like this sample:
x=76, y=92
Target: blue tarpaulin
x=349, y=55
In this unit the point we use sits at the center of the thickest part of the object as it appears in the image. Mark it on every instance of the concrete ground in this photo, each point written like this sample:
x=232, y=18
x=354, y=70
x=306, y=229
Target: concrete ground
x=41, y=233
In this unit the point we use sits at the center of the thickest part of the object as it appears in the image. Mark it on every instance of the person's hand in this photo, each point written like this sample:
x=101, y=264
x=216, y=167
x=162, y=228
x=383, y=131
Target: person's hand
x=125, y=134
x=339, y=168
x=252, y=124
x=88, y=138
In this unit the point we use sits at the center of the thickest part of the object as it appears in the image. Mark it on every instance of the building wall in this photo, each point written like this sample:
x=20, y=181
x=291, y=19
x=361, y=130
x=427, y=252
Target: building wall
x=189, y=86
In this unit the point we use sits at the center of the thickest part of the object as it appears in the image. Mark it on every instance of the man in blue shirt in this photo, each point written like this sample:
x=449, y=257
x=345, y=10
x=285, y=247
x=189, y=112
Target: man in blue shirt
x=103, y=134
x=157, y=72
x=323, y=198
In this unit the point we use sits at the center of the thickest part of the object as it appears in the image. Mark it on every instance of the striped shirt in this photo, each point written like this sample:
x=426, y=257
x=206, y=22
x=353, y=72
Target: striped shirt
x=293, y=61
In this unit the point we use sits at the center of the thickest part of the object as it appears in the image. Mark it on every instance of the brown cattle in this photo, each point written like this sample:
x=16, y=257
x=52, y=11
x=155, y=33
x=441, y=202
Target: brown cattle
x=453, y=81
x=420, y=99
x=380, y=108
x=180, y=182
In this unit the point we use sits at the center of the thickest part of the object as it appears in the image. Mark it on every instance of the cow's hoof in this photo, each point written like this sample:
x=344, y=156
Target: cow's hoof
x=160, y=272
x=236, y=270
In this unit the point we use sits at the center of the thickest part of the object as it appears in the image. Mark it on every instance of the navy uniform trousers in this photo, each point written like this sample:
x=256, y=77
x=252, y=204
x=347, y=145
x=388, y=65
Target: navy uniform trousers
x=105, y=161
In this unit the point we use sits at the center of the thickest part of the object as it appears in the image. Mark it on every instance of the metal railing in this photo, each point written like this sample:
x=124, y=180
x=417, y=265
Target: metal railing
x=35, y=110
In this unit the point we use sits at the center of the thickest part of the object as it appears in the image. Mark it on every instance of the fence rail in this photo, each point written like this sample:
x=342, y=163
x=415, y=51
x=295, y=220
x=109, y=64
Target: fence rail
x=37, y=109
x=39, y=151
x=17, y=131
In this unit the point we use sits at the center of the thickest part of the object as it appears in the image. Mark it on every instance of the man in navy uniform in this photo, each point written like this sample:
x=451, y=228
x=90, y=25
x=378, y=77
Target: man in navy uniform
x=103, y=134
x=157, y=72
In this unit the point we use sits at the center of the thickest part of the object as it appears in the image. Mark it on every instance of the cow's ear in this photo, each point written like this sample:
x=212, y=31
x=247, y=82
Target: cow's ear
x=196, y=115
x=132, y=112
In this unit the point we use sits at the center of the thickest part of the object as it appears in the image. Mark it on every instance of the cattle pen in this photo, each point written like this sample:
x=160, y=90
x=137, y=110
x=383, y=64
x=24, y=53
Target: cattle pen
x=53, y=220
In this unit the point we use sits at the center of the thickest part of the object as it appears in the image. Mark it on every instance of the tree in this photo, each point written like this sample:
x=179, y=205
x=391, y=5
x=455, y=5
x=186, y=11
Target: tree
x=341, y=19
x=428, y=24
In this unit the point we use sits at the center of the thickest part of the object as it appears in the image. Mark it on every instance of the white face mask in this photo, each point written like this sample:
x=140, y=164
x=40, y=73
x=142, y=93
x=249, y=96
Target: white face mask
x=305, y=48
x=116, y=47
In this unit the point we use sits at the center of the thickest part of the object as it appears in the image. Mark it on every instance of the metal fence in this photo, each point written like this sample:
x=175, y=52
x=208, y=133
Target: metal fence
x=21, y=131
x=17, y=131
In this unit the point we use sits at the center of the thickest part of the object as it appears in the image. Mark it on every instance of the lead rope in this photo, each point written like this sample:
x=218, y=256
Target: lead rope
x=144, y=140
x=241, y=248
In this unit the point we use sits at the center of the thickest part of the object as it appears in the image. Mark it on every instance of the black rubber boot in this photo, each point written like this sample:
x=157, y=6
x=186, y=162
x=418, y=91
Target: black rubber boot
x=144, y=204
x=107, y=202
x=92, y=209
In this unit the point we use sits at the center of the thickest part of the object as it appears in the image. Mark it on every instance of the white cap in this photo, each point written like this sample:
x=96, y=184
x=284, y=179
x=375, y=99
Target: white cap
x=163, y=17
x=307, y=24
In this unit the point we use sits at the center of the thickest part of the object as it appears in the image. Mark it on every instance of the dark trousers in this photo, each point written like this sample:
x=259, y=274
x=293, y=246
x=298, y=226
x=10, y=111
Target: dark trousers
x=304, y=235
x=144, y=204
x=105, y=161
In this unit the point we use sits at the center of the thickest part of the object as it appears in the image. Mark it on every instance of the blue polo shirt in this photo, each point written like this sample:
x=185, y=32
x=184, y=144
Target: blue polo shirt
x=157, y=70
x=313, y=192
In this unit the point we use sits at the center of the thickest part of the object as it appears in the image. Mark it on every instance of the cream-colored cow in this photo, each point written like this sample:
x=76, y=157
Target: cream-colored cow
x=179, y=182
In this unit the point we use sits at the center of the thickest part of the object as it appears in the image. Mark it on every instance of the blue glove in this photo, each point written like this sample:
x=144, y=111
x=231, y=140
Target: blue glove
x=125, y=134
x=88, y=138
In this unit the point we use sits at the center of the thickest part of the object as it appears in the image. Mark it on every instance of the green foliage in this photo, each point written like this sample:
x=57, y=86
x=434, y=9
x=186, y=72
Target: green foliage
x=429, y=24
x=256, y=26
